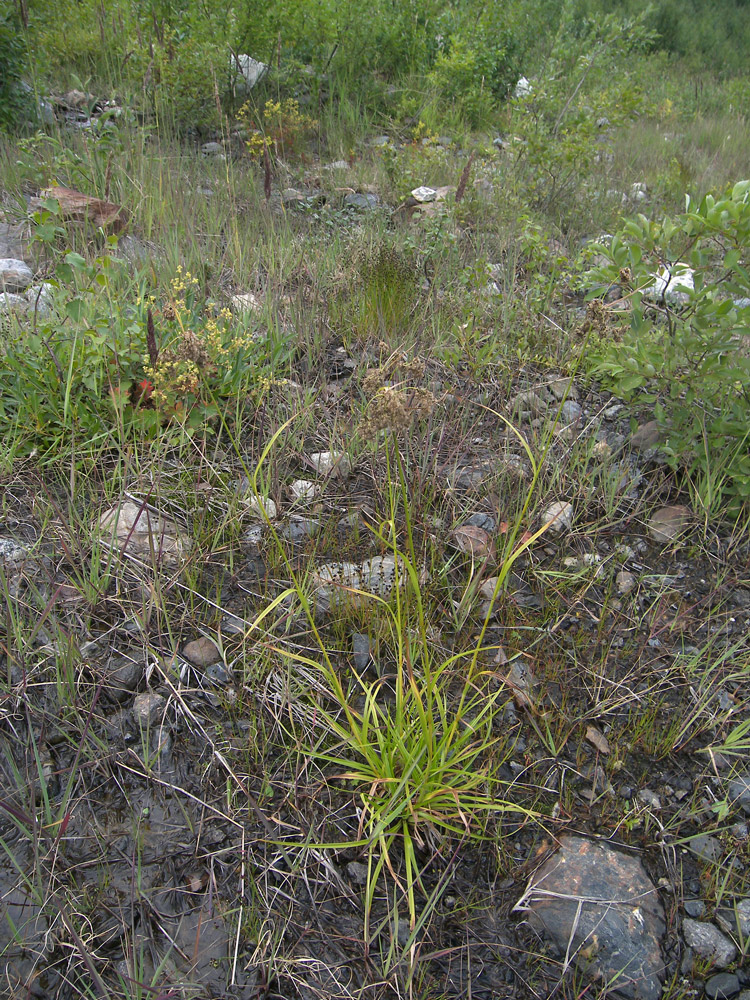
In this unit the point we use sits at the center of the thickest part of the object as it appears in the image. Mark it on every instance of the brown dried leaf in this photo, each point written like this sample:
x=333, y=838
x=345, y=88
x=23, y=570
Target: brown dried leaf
x=598, y=739
x=474, y=541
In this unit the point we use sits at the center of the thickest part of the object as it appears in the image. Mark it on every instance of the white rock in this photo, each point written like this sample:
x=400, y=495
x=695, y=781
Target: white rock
x=638, y=191
x=263, y=506
x=245, y=302
x=144, y=534
x=336, y=165
x=671, y=284
x=378, y=575
x=13, y=555
x=625, y=581
x=12, y=303
x=39, y=297
x=559, y=516
x=250, y=71
x=15, y=275
x=523, y=88
x=303, y=489
x=346, y=581
x=333, y=463
x=424, y=194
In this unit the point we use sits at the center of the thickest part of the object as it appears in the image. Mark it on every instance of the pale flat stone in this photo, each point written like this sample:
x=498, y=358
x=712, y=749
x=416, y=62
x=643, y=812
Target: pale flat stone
x=144, y=534
x=668, y=523
x=15, y=275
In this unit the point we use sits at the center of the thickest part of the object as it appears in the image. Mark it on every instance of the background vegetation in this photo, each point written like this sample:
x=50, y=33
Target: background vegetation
x=277, y=293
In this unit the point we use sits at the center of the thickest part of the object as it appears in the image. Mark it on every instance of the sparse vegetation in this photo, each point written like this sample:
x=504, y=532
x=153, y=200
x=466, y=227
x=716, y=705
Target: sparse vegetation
x=405, y=614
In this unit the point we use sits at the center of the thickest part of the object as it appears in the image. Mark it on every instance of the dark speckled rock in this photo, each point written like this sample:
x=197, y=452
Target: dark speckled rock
x=601, y=910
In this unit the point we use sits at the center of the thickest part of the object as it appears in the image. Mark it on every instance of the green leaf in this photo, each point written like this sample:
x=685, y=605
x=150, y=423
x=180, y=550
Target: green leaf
x=64, y=272
x=75, y=309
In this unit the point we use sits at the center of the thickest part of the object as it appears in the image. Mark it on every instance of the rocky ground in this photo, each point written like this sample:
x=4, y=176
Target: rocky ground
x=168, y=825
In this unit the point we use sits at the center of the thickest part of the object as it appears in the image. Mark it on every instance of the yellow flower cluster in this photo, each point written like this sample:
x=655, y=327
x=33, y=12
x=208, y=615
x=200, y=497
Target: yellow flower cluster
x=202, y=343
x=283, y=125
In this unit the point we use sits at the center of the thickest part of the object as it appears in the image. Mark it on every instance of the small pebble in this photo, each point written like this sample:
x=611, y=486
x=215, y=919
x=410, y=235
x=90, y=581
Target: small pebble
x=721, y=987
x=559, y=516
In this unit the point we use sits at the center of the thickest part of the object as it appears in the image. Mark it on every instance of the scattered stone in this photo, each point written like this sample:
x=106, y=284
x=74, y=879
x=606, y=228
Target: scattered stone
x=673, y=284
x=481, y=520
x=336, y=165
x=625, y=581
x=13, y=557
x=739, y=791
x=201, y=652
x=212, y=149
x=358, y=872
x=124, y=674
x=219, y=674
x=708, y=942
x=694, y=908
x=649, y=798
x=342, y=581
x=559, y=516
x=612, y=411
x=563, y=387
x=364, y=202
x=12, y=303
x=148, y=708
x=248, y=72
x=141, y=533
x=600, y=908
x=303, y=489
x=523, y=88
x=81, y=208
x=528, y=404
x=380, y=140
x=720, y=987
x=735, y=920
x=40, y=298
x=263, y=506
x=474, y=541
x=245, y=302
x=15, y=275
x=570, y=411
x=361, y=650
x=423, y=195
x=705, y=847
x=299, y=529
x=668, y=523
x=331, y=463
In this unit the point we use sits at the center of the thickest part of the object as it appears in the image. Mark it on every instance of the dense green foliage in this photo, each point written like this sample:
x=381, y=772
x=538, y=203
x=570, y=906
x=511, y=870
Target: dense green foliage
x=16, y=102
x=686, y=353
x=174, y=55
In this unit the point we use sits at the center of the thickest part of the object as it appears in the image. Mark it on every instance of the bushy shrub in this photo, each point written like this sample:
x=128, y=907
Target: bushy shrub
x=16, y=102
x=688, y=355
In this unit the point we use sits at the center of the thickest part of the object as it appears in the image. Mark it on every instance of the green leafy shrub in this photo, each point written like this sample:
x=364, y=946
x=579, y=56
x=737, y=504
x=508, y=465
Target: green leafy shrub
x=16, y=102
x=688, y=355
x=91, y=372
